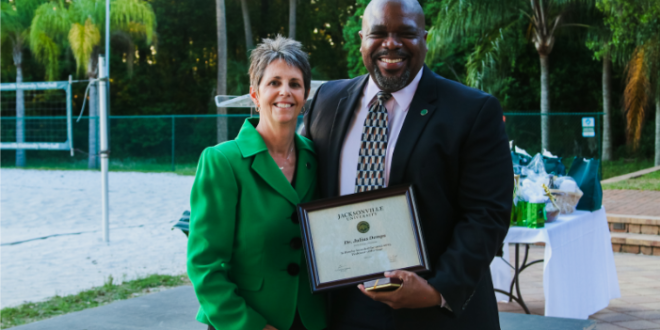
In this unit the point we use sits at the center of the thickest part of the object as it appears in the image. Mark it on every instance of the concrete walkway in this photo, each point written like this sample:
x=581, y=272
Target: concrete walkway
x=167, y=310
x=176, y=309
x=638, y=307
x=632, y=202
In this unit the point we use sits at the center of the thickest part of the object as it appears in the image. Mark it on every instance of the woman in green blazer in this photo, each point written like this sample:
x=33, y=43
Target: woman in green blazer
x=245, y=257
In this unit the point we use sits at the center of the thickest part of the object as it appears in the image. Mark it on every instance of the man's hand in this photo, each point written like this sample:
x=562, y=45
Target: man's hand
x=415, y=292
x=269, y=327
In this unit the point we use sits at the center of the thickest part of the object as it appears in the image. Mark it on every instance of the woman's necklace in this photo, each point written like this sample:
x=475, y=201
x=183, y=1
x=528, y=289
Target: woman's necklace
x=287, y=157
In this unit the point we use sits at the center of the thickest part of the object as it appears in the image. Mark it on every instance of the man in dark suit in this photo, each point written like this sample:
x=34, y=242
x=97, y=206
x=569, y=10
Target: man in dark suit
x=445, y=139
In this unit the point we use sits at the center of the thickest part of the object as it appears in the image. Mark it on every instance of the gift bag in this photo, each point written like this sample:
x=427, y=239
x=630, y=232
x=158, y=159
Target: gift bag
x=520, y=157
x=553, y=165
x=586, y=173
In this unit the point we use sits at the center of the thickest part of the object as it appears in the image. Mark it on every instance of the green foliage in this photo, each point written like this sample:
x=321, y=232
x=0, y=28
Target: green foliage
x=79, y=25
x=98, y=296
x=176, y=73
x=83, y=39
x=632, y=22
x=495, y=30
x=353, y=40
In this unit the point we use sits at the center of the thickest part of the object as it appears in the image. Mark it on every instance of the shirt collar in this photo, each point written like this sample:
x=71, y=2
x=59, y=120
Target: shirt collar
x=402, y=97
x=250, y=141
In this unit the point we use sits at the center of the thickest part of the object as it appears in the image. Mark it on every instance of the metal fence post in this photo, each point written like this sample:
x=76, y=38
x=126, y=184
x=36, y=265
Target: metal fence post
x=173, y=139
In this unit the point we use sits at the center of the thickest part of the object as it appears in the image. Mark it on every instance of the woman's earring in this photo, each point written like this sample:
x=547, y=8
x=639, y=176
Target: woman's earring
x=302, y=112
x=257, y=109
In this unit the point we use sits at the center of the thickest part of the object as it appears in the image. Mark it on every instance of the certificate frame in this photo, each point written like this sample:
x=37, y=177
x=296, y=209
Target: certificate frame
x=304, y=210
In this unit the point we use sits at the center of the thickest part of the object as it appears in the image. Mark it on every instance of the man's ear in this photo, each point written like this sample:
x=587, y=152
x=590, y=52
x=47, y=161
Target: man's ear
x=426, y=39
x=254, y=96
x=361, y=39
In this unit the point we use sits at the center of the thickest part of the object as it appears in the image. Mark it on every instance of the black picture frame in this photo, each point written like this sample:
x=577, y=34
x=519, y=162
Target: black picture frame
x=303, y=213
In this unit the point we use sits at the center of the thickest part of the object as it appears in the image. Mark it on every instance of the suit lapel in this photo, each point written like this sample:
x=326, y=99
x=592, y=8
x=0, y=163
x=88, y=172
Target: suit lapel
x=265, y=166
x=343, y=115
x=413, y=125
x=304, y=173
x=251, y=144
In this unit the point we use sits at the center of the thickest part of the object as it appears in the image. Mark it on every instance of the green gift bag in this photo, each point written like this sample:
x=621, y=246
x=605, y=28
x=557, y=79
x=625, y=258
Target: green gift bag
x=520, y=159
x=534, y=215
x=554, y=166
x=586, y=173
x=530, y=215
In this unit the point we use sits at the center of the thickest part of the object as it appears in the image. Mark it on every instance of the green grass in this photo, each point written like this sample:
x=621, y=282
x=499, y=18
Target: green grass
x=649, y=181
x=109, y=292
x=624, y=166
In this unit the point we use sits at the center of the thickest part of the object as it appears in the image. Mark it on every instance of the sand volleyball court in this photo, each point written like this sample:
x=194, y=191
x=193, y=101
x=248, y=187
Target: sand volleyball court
x=51, y=230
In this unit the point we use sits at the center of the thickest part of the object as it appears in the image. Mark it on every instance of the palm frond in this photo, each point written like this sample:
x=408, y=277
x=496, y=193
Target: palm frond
x=83, y=39
x=9, y=19
x=636, y=95
x=51, y=18
x=460, y=18
x=483, y=58
x=82, y=10
x=46, y=50
x=134, y=16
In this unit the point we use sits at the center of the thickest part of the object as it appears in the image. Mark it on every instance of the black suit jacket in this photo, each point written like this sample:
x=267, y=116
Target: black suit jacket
x=457, y=158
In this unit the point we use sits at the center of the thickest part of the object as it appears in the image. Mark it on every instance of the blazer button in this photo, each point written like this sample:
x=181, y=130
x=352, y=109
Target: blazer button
x=308, y=165
x=293, y=269
x=295, y=243
x=294, y=217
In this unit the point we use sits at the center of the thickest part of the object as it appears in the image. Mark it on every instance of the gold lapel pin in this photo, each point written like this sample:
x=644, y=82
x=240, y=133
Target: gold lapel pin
x=424, y=112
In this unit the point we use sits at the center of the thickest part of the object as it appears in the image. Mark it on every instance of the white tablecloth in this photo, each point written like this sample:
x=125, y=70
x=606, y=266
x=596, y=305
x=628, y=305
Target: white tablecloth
x=579, y=276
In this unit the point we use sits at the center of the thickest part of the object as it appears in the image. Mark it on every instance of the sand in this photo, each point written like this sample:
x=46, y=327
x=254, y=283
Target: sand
x=36, y=204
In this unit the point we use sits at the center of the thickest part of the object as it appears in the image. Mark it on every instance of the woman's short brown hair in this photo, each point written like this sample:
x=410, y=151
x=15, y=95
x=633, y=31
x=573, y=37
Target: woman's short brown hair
x=282, y=48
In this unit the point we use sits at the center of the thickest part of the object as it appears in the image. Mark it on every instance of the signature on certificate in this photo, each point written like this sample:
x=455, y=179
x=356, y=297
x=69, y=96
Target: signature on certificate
x=342, y=268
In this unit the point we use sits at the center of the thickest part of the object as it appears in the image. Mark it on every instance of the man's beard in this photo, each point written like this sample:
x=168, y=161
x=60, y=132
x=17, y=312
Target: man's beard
x=391, y=84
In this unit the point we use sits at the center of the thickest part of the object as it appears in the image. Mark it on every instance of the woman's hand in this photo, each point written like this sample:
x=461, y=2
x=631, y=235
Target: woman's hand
x=269, y=327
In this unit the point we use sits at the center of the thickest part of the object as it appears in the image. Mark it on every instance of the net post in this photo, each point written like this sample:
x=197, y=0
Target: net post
x=69, y=127
x=103, y=130
x=173, y=139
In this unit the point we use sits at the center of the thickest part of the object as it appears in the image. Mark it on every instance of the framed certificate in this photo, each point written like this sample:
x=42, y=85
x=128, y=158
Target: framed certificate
x=355, y=238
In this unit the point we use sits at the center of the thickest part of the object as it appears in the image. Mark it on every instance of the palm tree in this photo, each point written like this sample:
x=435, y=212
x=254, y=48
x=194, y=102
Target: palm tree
x=292, y=19
x=16, y=17
x=491, y=19
x=249, y=43
x=642, y=86
x=599, y=39
x=79, y=25
x=221, y=88
x=636, y=38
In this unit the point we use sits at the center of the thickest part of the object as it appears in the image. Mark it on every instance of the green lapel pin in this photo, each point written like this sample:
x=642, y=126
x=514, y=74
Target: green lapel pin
x=424, y=112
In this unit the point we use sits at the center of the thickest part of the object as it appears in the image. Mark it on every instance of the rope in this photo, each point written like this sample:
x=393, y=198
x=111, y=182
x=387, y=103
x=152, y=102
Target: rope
x=82, y=110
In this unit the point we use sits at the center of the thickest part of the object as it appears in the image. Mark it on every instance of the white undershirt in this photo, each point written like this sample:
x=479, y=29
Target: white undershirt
x=397, y=108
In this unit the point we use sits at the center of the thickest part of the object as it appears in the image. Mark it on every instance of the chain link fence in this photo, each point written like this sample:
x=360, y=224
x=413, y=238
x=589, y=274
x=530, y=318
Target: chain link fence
x=174, y=142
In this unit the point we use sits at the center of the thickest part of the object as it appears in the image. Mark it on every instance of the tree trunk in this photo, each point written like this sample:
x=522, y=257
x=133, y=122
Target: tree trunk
x=607, y=107
x=222, y=67
x=249, y=44
x=93, y=148
x=292, y=19
x=545, y=102
x=20, y=104
x=657, y=131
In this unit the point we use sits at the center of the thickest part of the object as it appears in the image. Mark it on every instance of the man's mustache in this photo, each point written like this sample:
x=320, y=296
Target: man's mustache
x=397, y=53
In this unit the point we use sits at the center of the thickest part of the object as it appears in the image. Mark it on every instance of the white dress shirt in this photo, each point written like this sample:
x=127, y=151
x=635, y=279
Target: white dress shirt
x=397, y=108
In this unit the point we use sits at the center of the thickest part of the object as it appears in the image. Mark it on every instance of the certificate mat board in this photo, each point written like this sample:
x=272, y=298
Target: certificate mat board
x=355, y=238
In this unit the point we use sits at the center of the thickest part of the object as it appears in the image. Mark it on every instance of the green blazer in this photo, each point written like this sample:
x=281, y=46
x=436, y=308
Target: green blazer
x=245, y=258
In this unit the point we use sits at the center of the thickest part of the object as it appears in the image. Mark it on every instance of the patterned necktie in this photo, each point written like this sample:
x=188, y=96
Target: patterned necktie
x=371, y=161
